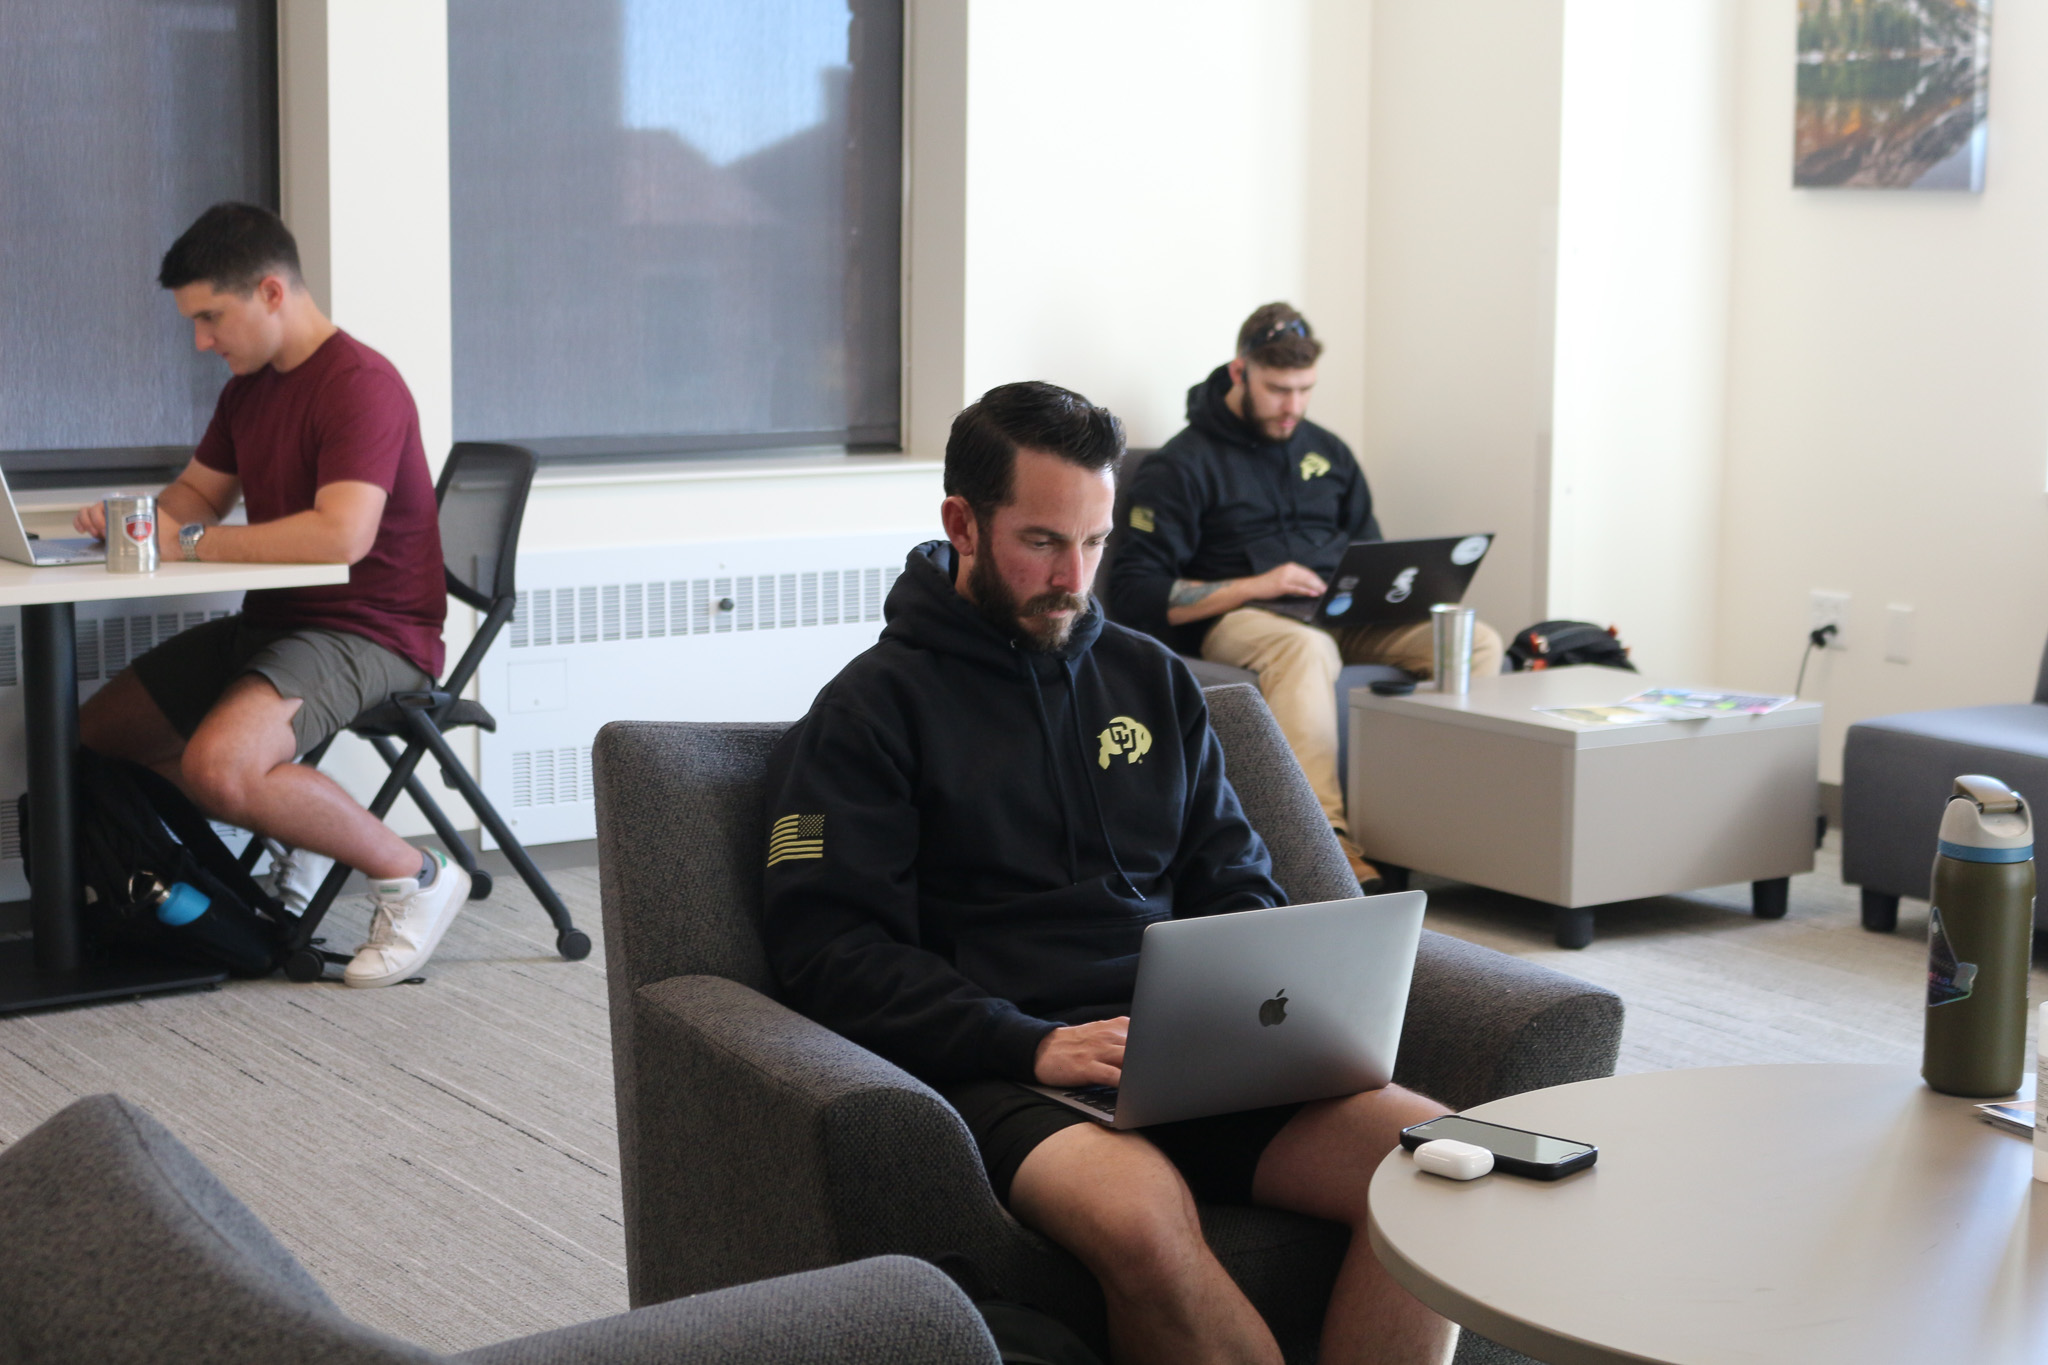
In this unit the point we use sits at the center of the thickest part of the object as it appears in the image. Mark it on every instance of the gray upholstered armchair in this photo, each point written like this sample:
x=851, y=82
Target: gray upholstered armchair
x=755, y=1142
x=118, y=1247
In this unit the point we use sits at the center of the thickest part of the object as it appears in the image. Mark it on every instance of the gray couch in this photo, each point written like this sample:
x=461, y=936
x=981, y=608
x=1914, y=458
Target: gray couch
x=1897, y=772
x=117, y=1247
x=755, y=1142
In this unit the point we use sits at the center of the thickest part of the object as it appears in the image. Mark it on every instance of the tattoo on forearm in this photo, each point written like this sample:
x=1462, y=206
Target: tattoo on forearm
x=1185, y=592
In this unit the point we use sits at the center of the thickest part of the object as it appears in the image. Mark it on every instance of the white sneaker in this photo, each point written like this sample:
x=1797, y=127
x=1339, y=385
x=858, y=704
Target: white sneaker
x=295, y=876
x=407, y=925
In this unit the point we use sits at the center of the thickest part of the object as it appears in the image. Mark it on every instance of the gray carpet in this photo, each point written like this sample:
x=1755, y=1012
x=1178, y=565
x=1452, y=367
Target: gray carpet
x=444, y=1156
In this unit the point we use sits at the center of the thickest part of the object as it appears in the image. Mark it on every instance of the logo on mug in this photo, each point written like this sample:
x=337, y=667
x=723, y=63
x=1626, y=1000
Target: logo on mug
x=139, y=527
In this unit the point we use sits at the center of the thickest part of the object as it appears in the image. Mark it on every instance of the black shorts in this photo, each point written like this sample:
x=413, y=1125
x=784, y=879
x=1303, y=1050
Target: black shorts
x=1217, y=1156
x=335, y=675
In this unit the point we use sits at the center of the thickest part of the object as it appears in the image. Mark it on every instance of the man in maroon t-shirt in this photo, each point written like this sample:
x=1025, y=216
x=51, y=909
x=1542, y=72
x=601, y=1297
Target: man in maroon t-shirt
x=317, y=435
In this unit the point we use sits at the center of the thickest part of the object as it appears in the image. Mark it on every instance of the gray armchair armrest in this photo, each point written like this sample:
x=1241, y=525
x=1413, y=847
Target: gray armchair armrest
x=891, y=1310
x=1482, y=1025
x=794, y=1148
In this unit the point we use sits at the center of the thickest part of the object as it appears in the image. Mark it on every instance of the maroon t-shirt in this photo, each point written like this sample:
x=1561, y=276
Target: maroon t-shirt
x=342, y=415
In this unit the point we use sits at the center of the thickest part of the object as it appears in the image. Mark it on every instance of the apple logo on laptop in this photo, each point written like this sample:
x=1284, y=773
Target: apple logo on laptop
x=1274, y=1011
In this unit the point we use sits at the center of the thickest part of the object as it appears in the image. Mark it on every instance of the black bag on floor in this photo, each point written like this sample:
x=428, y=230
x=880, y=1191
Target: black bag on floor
x=139, y=840
x=1553, y=644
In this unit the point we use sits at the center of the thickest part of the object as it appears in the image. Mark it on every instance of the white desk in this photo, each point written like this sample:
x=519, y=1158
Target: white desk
x=49, y=973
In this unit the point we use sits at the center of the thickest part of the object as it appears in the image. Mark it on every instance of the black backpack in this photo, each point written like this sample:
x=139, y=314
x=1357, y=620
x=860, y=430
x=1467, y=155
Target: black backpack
x=138, y=835
x=1553, y=644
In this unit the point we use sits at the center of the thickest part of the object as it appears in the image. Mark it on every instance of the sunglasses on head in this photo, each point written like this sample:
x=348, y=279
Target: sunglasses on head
x=1293, y=326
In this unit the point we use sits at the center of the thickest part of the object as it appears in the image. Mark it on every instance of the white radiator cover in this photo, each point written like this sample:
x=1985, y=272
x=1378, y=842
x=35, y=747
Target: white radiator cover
x=724, y=630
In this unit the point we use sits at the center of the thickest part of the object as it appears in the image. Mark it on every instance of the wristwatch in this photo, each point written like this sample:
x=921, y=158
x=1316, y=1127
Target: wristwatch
x=188, y=539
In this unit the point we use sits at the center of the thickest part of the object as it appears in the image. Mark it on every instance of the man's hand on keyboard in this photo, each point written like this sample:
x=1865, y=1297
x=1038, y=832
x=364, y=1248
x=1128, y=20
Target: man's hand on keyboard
x=1083, y=1054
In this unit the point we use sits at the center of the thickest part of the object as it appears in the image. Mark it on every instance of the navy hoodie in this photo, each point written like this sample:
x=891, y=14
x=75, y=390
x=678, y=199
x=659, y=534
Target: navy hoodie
x=967, y=838
x=1222, y=501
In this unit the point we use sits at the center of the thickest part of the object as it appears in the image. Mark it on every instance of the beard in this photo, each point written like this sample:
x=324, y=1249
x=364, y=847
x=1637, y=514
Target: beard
x=1025, y=622
x=1272, y=428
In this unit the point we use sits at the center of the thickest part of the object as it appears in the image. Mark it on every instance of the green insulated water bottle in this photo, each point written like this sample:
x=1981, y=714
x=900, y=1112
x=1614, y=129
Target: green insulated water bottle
x=1980, y=936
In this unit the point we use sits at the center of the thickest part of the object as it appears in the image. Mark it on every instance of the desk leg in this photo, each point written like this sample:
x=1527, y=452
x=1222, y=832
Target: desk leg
x=49, y=650
x=49, y=972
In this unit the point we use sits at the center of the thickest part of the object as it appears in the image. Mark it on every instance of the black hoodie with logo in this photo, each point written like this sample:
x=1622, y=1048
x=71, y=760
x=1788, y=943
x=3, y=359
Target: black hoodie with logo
x=967, y=838
x=1222, y=501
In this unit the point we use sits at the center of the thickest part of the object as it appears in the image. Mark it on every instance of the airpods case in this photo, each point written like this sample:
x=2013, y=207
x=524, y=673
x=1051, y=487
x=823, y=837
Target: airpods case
x=1453, y=1160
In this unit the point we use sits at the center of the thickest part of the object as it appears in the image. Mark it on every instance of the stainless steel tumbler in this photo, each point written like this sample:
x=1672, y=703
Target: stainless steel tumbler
x=1450, y=638
x=131, y=533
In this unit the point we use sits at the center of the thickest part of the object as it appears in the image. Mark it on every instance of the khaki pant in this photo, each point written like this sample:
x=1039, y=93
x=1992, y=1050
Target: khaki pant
x=1298, y=664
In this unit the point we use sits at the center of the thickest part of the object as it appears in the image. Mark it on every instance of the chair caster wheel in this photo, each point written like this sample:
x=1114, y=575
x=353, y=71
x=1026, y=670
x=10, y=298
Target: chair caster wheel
x=305, y=964
x=479, y=885
x=573, y=944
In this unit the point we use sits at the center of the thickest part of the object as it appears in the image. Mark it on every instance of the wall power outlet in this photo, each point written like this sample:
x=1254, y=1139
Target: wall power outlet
x=1830, y=609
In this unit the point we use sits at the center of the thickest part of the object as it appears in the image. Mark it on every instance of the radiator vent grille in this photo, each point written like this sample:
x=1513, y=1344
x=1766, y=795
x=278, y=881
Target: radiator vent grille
x=108, y=645
x=10, y=830
x=551, y=777
x=698, y=606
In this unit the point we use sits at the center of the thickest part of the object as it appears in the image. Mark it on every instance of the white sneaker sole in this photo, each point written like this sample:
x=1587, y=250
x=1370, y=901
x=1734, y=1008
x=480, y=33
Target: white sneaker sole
x=391, y=976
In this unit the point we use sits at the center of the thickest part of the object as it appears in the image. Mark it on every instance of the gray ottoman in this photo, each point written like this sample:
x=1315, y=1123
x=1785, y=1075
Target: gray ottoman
x=1897, y=773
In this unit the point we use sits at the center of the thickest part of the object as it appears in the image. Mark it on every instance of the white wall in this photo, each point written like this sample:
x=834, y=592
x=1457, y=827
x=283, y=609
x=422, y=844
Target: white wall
x=1645, y=183
x=363, y=98
x=1143, y=174
x=1462, y=214
x=1887, y=420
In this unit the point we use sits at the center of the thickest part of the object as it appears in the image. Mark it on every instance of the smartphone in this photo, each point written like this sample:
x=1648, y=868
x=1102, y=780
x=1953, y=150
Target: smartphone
x=1515, y=1150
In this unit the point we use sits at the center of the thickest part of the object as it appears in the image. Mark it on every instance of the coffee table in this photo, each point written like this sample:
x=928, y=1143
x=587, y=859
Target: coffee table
x=1771, y=1215
x=1485, y=788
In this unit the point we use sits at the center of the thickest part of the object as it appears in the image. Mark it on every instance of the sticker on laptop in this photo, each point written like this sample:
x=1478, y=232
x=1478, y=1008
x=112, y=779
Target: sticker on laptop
x=1468, y=550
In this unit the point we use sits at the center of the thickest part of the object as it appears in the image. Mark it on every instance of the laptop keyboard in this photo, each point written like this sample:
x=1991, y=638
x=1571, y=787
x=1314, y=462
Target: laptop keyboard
x=1100, y=1098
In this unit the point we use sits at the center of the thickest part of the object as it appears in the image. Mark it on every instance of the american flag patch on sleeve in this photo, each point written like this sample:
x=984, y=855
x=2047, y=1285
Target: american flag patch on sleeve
x=794, y=837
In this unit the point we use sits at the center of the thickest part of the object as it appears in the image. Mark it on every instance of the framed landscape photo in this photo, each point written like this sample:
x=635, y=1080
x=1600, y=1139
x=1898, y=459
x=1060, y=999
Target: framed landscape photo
x=1892, y=94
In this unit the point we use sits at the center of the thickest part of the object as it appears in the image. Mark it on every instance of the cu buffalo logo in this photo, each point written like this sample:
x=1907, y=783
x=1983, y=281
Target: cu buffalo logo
x=1313, y=466
x=1124, y=736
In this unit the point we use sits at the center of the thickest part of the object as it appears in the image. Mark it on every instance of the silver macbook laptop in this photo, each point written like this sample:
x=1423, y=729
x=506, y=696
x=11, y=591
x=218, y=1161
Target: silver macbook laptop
x=1240, y=1011
x=15, y=543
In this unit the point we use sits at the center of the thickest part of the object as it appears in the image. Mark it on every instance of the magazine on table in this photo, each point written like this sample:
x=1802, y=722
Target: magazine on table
x=2012, y=1116
x=1694, y=703
x=1670, y=703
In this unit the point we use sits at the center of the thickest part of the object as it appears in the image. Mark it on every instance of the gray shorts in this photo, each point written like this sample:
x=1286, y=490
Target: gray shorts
x=336, y=675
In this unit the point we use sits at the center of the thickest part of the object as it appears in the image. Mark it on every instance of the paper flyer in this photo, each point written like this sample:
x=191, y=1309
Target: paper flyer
x=1689, y=703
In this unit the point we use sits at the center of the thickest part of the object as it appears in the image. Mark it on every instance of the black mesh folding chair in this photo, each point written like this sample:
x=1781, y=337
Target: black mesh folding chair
x=482, y=496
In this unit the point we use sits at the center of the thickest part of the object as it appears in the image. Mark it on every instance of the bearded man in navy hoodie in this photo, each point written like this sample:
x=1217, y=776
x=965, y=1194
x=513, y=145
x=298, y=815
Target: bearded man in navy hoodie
x=970, y=831
x=1252, y=501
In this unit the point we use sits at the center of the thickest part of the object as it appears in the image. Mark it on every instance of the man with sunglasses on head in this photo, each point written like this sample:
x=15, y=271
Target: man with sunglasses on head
x=1252, y=501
